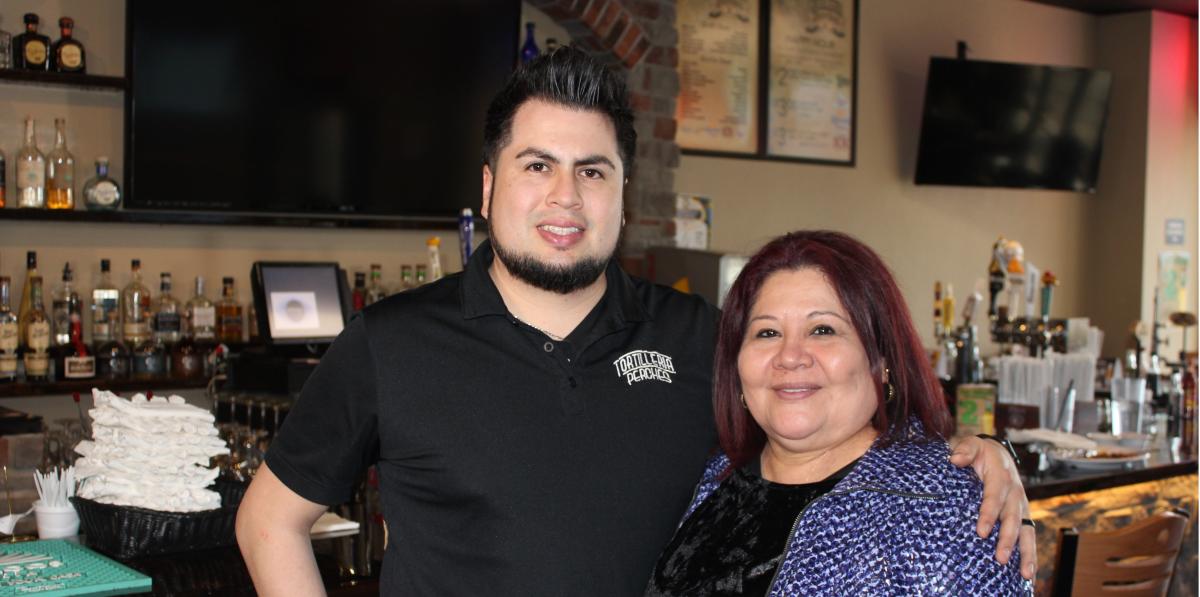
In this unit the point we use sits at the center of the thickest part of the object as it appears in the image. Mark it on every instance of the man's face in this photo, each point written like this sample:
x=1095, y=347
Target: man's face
x=553, y=204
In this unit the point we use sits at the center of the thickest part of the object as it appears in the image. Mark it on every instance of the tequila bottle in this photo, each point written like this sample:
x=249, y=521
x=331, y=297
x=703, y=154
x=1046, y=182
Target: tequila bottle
x=406, y=277
x=9, y=334
x=5, y=50
x=101, y=193
x=31, y=50
x=60, y=171
x=36, y=351
x=67, y=54
x=530, y=50
x=200, y=316
x=26, y=294
x=229, y=314
x=65, y=307
x=106, y=307
x=167, y=319
x=135, y=307
x=376, y=291
x=149, y=359
x=31, y=171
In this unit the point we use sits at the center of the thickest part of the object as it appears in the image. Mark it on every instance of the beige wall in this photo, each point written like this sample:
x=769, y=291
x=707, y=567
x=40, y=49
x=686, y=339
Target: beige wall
x=1171, y=189
x=926, y=233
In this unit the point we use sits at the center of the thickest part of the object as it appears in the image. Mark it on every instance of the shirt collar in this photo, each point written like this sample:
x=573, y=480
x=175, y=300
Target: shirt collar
x=480, y=296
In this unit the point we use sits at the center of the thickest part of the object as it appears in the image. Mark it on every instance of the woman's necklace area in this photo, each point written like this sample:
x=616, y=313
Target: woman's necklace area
x=554, y=337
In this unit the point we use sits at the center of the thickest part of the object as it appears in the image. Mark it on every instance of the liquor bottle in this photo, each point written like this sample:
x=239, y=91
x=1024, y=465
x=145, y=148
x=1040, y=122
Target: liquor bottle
x=112, y=360
x=31, y=171
x=74, y=360
x=1187, y=408
x=229, y=313
x=30, y=50
x=435, y=258
x=135, y=307
x=67, y=54
x=359, y=294
x=35, y=352
x=406, y=277
x=106, y=308
x=26, y=294
x=420, y=280
x=376, y=291
x=530, y=50
x=100, y=192
x=5, y=50
x=148, y=360
x=60, y=171
x=167, y=318
x=64, y=307
x=200, y=317
x=187, y=359
x=9, y=333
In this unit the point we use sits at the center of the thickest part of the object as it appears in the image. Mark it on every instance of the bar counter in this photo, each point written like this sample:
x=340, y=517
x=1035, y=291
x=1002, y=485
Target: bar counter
x=1098, y=501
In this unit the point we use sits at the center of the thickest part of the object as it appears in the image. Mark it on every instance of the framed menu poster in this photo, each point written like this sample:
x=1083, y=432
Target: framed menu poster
x=717, y=109
x=768, y=79
x=810, y=96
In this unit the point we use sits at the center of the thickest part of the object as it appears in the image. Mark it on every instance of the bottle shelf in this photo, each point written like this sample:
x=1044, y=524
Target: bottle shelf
x=84, y=386
x=49, y=79
x=233, y=219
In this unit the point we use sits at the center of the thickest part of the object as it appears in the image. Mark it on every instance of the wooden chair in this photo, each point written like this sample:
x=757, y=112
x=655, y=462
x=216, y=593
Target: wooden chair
x=1134, y=561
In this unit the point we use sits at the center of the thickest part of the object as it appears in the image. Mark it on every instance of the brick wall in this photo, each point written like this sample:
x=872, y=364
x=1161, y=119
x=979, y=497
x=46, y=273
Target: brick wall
x=639, y=38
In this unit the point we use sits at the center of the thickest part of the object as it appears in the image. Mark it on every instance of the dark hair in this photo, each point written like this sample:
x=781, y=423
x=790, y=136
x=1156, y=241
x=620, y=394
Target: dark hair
x=879, y=315
x=569, y=77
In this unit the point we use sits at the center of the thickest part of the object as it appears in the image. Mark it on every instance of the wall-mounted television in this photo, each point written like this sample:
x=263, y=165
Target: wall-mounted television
x=998, y=124
x=372, y=109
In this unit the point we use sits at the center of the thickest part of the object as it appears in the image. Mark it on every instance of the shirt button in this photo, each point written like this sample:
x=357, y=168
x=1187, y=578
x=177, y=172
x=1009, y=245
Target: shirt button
x=548, y=347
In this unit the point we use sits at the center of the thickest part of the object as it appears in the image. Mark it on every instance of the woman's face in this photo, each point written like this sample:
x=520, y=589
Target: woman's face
x=804, y=371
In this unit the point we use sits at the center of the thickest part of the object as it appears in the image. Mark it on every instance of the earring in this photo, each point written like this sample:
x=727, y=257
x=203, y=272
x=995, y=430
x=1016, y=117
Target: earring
x=743, y=399
x=889, y=389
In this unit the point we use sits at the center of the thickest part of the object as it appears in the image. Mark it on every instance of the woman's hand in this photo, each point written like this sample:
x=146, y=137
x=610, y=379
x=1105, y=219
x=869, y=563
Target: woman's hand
x=1003, y=498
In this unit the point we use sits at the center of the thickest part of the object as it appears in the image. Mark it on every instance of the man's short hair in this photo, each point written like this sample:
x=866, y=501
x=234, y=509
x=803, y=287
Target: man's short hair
x=568, y=77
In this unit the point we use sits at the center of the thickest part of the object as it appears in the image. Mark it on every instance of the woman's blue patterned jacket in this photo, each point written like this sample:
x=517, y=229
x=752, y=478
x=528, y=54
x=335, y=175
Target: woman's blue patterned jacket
x=902, y=522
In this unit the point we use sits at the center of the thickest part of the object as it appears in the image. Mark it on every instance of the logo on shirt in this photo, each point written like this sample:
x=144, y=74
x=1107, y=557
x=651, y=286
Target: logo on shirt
x=641, y=365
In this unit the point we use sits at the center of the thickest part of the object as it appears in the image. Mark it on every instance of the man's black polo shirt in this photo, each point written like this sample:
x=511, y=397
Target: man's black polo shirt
x=511, y=464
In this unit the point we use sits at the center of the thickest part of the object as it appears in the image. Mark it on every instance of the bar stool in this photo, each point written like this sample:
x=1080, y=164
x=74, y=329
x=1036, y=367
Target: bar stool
x=1134, y=561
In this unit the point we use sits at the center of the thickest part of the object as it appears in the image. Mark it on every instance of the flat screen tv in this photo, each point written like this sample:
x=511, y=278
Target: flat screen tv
x=997, y=124
x=372, y=109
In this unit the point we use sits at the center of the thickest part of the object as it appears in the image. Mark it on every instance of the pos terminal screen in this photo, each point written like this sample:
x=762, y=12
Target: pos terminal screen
x=300, y=302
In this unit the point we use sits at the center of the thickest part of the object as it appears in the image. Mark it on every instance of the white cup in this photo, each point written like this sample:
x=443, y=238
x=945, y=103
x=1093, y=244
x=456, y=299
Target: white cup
x=55, y=522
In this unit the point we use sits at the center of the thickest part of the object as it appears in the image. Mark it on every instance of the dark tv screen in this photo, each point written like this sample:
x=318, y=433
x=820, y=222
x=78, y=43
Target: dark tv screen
x=996, y=124
x=313, y=107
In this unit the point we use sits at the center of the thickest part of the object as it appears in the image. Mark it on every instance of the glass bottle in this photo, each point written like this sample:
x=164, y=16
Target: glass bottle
x=530, y=50
x=5, y=50
x=200, y=317
x=551, y=45
x=101, y=192
x=167, y=319
x=31, y=171
x=229, y=314
x=74, y=360
x=3, y=169
x=67, y=54
x=60, y=171
x=187, y=359
x=9, y=333
x=376, y=291
x=36, y=352
x=432, y=247
x=252, y=322
x=26, y=294
x=359, y=294
x=406, y=277
x=135, y=307
x=420, y=275
x=148, y=360
x=30, y=50
x=65, y=307
x=106, y=307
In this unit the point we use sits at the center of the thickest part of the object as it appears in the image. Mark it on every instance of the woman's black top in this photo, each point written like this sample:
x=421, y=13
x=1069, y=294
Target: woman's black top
x=733, y=543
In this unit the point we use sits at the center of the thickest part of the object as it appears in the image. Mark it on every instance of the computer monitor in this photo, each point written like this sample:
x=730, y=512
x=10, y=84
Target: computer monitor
x=299, y=302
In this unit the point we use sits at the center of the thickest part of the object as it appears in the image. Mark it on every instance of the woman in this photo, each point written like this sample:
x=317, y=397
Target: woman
x=834, y=478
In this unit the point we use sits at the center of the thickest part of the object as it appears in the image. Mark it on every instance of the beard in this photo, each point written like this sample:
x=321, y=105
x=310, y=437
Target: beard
x=561, y=279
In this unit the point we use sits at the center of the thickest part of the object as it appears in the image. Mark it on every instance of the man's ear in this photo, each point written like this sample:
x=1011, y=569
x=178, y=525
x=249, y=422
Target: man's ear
x=486, y=204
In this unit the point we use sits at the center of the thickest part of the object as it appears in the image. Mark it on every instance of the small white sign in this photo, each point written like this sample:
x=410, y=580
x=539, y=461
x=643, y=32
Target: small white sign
x=1175, y=231
x=294, y=311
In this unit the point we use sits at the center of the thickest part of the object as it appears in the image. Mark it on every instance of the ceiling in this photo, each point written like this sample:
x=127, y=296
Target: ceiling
x=1186, y=8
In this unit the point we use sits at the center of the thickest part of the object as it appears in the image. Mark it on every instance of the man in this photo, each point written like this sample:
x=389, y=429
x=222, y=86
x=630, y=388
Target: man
x=539, y=421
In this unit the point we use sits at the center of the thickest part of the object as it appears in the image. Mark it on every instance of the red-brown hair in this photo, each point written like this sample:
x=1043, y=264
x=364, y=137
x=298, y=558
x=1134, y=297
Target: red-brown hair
x=877, y=310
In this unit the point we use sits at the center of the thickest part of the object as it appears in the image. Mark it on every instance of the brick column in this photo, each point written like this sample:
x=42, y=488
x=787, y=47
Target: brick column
x=639, y=38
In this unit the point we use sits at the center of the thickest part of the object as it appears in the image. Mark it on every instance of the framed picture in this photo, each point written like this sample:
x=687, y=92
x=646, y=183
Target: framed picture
x=719, y=98
x=768, y=79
